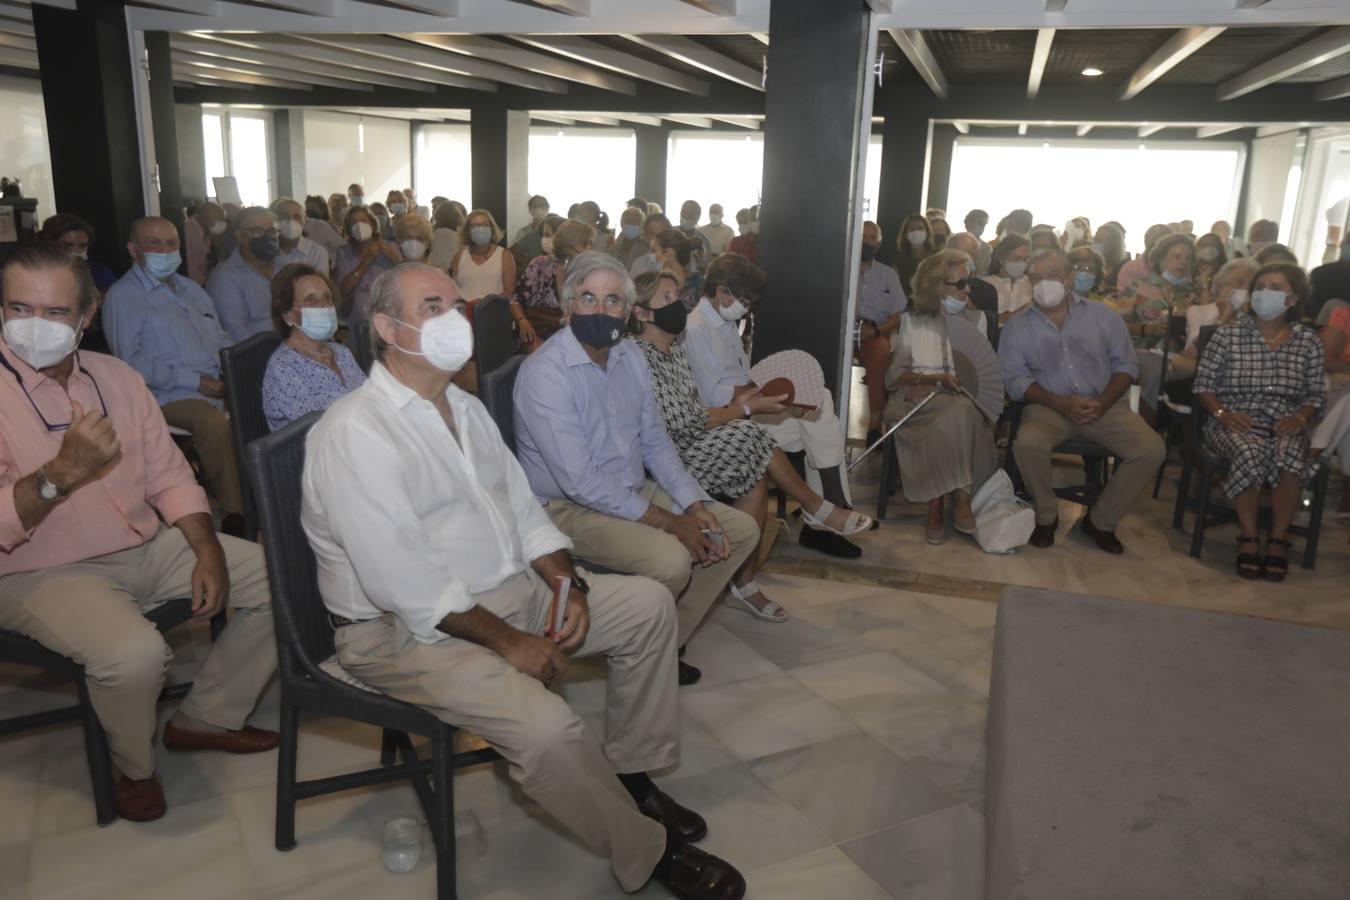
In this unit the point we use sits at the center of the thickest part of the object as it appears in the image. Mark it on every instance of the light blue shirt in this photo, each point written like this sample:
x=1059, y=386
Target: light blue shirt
x=306, y=251
x=586, y=434
x=166, y=330
x=716, y=354
x=243, y=298
x=1079, y=358
x=880, y=294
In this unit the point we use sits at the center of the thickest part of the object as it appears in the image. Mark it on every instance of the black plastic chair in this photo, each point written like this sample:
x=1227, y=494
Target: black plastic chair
x=243, y=367
x=16, y=648
x=495, y=389
x=305, y=639
x=1170, y=414
x=494, y=340
x=360, y=346
x=1097, y=463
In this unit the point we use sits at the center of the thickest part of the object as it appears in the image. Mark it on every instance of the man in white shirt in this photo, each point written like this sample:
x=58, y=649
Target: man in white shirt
x=438, y=568
x=717, y=233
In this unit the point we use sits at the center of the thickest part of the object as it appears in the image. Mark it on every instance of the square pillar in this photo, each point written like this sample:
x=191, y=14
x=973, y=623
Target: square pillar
x=653, y=149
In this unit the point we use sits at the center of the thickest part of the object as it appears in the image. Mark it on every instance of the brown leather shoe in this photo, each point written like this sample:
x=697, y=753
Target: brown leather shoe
x=138, y=801
x=1044, y=535
x=1105, y=540
x=246, y=740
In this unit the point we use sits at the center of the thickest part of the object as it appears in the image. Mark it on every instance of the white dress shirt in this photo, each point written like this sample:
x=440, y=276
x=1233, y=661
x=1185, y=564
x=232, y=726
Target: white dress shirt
x=403, y=518
x=716, y=354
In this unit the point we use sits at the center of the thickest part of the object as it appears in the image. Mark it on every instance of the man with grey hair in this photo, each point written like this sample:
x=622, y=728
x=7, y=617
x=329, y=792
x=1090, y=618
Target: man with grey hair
x=450, y=589
x=295, y=247
x=587, y=430
x=241, y=286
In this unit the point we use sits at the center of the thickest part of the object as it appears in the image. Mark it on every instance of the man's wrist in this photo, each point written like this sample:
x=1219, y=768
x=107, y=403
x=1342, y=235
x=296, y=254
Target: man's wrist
x=58, y=476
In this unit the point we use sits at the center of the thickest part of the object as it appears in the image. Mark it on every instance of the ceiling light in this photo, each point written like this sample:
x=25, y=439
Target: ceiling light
x=1091, y=72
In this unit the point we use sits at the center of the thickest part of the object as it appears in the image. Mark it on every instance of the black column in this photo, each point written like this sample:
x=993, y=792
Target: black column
x=814, y=126
x=904, y=150
x=283, y=180
x=91, y=119
x=653, y=147
x=164, y=120
x=488, y=145
x=940, y=170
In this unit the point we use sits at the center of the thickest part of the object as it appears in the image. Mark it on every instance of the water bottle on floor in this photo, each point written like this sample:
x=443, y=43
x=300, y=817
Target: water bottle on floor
x=402, y=843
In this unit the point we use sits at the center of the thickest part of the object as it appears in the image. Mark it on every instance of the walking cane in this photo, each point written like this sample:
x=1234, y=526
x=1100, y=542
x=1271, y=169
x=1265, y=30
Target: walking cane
x=890, y=431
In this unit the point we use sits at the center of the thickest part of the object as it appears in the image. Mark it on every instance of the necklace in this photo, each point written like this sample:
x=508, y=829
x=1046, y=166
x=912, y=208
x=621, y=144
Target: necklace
x=1273, y=342
x=324, y=356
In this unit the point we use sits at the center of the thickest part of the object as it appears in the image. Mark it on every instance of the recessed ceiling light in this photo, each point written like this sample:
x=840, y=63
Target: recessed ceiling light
x=1091, y=72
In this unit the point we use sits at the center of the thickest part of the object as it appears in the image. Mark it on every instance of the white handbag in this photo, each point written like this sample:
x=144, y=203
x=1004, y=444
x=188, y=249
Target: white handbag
x=1002, y=521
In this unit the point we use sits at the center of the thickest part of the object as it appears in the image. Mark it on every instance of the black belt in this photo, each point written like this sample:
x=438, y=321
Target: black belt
x=338, y=621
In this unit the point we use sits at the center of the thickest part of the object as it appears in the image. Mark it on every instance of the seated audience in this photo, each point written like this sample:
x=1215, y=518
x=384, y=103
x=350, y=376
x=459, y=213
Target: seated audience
x=539, y=295
x=397, y=205
x=881, y=300
x=364, y=257
x=411, y=197
x=382, y=220
x=1109, y=242
x=1225, y=234
x=413, y=235
x=1089, y=273
x=75, y=236
x=1333, y=432
x=309, y=371
x=730, y=456
x=976, y=221
x=733, y=287
x=746, y=243
x=1226, y=297
x=632, y=243
x=1071, y=362
x=317, y=227
x=983, y=295
x=588, y=211
x=482, y=266
x=1209, y=248
x=690, y=214
x=1262, y=381
x=165, y=327
x=201, y=230
x=1261, y=234
x=337, y=217
x=295, y=247
x=587, y=428
x=438, y=568
x=653, y=225
x=538, y=206
x=101, y=519
x=914, y=243
x=1008, y=275
x=1275, y=253
x=946, y=450
x=1169, y=292
x=717, y=232
x=941, y=231
x=241, y=286
x=447, y=221
x=1331, y=285
x=677, y=256
x=1077, y=233
x=1140, y=268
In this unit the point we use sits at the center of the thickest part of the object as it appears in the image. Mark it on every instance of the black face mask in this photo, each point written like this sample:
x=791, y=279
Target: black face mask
x=869, y=251
x=597, y=330
x=671, y=319
x=264, y=248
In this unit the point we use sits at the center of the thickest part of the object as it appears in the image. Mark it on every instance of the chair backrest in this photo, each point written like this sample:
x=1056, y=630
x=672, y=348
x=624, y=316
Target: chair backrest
x=275, y=465
x=359, y=344
x=494, y=340
x=243, y=367
x=991, y=328
x=1202, y=341
x=495, y=389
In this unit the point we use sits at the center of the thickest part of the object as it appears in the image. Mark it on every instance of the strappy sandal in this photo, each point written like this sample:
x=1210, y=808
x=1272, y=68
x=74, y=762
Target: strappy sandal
x=854, y=524
x=1276, y=567
x=739, y=598
x=1250, y=565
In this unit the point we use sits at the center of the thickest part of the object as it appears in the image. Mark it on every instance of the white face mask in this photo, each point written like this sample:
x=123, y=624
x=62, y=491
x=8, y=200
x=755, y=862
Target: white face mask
x=917, y=237
x=547, y=244
x=1015, y=269
x=716, y=219
x=953, y=305
x=413, y=249
x=218, y=228
x=447, y=341
x=1209, y=254
x=1048, y=293
x=1237, y=298
x=538, y=214
x=733, y=313
x=290, y=229
x=40, y=342
x=1269, y=304
x=743, y=227
x=362, y=231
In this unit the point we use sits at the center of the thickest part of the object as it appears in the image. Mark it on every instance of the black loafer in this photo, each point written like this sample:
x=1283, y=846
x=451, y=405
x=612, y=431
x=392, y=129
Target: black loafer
x=683, y=824
x=829, y=543
x=1044, y=535
x=1105, y=540
x=690, y=874
x=688, y=674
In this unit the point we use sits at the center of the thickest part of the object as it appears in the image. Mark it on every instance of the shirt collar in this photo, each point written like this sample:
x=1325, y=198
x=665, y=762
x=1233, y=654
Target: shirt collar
x=1074, y=300
x=574, y=354
x=401, y=395
x=710, y=314
x=150, y=282
x=32, y=378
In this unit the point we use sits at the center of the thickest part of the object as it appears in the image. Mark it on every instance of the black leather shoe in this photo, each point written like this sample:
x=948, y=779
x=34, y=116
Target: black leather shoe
x=1105, y=540
x=682, y=824
x=689, y=674
x=1044, y=535
x=829, y=543
x=872, y=437
x=690, y=874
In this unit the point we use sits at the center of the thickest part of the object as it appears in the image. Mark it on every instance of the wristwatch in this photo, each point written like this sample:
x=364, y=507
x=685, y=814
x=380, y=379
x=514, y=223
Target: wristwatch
x=47, y=488
x=580, y=584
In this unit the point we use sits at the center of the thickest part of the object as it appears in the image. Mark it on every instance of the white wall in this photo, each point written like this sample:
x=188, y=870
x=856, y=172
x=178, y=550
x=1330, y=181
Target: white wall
x=571, y=165
x=341, y=149
x=23, y=142
x=1272, y=160
x=444, y=164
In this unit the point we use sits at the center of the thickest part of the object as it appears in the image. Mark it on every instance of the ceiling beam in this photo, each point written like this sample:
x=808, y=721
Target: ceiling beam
x=1250, y=4
x=328, y=8
x=1084, y=130
x=483, y=48
x=1055, y=6
x=585, y=50
x=881, y=7
x=567, y=7
x=716, y=7
x=1333, y=90
x=215, y=64
x=760, y=36
x=553, y=118
x=1045, y=38
x=192, y=7
x=915, y=48
x=1209, y=131
x=639, y=119
x=19, y=59
x=445, y=9
x=9, y=26
x=1331, y=45
x=593, y=119
x=468, y=72
x=738, y=121
x=1178, y=47
x=961, y=127
x=299, y=62
x=18, y=42
x=693, y=121
x=1272, y=130
x=181, y=70
x=700, y=57
x=1150, y=130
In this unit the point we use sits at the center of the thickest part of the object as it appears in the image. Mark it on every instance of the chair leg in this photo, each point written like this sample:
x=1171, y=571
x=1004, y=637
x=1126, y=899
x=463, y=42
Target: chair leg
x=1201, y=513
x=388, y=748
x=443, y=814
x=100, y=762
x=884, y=492
x=1183, y=495
x=1315, y=516
x=782, y=506
x=286, y=760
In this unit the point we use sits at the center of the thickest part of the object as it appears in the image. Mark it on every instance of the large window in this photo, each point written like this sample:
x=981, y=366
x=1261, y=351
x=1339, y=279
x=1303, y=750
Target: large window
x=239, y=143
x=23, y=145
x=444, y=164
x=343, y=149
x=569, y=165
x=1134, y=184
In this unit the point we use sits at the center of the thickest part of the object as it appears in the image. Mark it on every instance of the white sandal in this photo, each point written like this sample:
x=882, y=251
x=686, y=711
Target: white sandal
x=856, y=523
x=739, y=598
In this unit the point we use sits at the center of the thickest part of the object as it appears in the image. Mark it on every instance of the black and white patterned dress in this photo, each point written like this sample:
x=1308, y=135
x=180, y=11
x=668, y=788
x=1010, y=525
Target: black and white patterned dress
x=1268, y=385
x=729, y=460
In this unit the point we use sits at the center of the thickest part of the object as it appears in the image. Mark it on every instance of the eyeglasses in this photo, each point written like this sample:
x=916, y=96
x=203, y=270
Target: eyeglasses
x=261, y=231
x=53, y=427
x=959, y=285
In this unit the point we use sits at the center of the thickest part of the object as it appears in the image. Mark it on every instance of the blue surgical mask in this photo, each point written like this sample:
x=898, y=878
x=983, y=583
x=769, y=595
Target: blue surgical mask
x=1269, y=304
x=162, y=265
x=953, y=305
x=1083, y=282
x=631, y=232
x=1175, y=280
x=480, y=234
x=398, y=209
x=319, y=323
x=688, y=224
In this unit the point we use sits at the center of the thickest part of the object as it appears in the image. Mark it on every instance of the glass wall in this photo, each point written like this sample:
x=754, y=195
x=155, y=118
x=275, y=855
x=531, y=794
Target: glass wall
x=443, y=164
x=569, y=165
x=342, y=149
x=1323, y=201
x=239, y=143
x=23, y=143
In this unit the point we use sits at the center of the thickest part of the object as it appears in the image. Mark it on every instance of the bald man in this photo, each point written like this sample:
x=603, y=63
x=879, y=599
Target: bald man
x=165, y=327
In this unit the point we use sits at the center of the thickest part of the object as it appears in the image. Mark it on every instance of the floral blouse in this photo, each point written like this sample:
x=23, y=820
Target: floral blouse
x=538, y=285
x=295, y=385
x=1148, y=304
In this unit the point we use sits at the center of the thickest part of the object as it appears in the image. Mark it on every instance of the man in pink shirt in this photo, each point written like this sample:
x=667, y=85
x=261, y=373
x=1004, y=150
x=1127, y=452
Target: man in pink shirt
x=87, y=470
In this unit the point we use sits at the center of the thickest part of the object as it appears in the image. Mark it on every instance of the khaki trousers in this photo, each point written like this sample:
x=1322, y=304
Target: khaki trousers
x=1139, y=449
x=550, y=753
x=91, y=611
x=211, y=436
x=819, y=434
x=642, y=550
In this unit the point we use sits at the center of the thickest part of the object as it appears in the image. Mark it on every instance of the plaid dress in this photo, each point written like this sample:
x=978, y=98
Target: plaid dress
x=1268, y=385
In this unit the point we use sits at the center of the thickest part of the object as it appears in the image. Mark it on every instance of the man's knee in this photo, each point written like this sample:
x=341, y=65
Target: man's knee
x=1154, y=450
x=1032, y=444
x=551, y=730
x=213, y=428
x=653, y=602
x=669, y=564
x=740, y=529
x=135, y=659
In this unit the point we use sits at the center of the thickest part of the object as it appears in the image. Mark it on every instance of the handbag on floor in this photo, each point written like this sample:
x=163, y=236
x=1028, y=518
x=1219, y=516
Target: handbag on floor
x=1002, y=521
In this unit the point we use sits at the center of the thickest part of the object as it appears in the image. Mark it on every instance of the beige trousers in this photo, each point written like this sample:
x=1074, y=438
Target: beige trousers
x=1138, y=447
x=550, y=753
x=642, y=550
x=91, y=611
x=211, y=436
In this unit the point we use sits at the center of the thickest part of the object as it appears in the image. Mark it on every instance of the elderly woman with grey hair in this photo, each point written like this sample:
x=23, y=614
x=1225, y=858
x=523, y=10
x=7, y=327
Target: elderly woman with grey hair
x=1226, y=297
